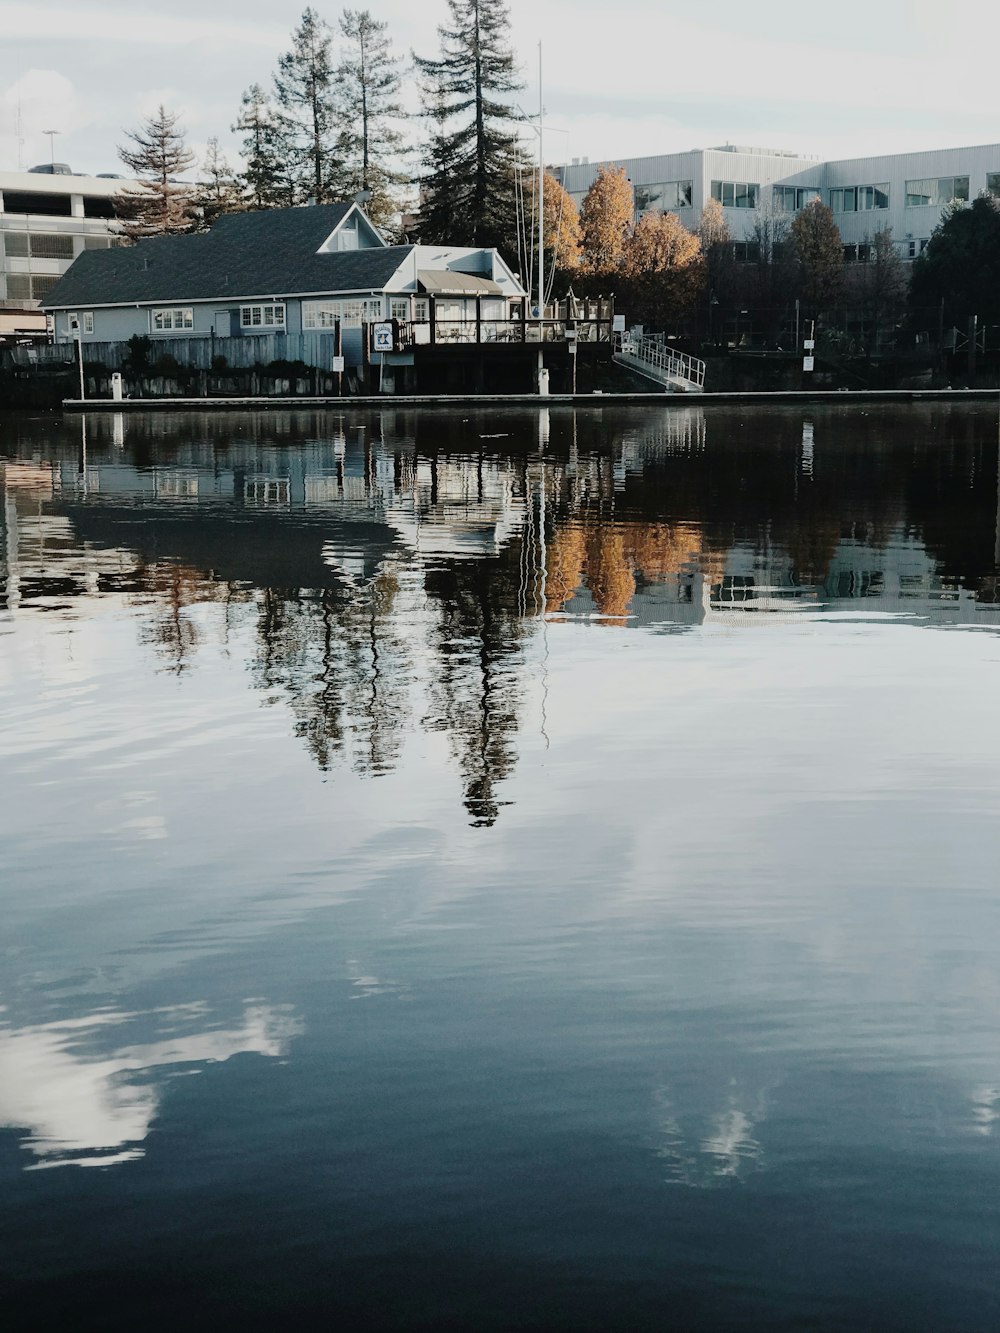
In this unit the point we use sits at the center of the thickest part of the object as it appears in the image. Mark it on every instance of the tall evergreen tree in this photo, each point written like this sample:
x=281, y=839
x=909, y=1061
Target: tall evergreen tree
x=469, y=183
x=365, y=96
x=267, y=179
x=163, y=206
x=219, y=191
x=304, y=89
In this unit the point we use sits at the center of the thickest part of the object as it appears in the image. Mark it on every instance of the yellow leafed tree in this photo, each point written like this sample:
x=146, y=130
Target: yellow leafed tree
x=606, y=220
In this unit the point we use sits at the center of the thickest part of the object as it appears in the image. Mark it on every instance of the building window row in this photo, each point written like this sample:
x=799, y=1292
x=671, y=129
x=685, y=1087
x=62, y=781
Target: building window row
x=37, y=245
x=22, y=287
x=81, y=322
x=666, y=197
x=735, y=194
x=262, y=316
x=790, y=198
x=351, y=314
x=178, y=317
x=938, y=190
x=859, y=198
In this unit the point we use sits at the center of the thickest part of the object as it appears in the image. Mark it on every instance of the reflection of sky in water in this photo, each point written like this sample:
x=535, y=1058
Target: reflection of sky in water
x=643, y=803
x=87, y=1097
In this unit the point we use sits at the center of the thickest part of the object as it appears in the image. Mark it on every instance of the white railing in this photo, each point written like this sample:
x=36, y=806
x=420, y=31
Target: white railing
x=677, y=370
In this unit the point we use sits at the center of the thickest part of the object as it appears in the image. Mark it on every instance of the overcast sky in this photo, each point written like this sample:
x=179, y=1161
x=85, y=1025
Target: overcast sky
x=621, y=79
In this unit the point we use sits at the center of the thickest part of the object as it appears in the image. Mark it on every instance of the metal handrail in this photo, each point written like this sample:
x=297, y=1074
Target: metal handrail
x=654, y=355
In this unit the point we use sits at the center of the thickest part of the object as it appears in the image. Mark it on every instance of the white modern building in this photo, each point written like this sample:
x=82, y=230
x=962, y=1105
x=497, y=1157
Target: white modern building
x=48, y=216
x=903, y=191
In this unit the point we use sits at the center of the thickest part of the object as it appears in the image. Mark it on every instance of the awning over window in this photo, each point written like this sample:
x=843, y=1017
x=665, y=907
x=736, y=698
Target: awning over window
x=443, y=282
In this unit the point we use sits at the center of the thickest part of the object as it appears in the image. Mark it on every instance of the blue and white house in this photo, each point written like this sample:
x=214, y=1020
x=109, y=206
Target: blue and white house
x=283, y=271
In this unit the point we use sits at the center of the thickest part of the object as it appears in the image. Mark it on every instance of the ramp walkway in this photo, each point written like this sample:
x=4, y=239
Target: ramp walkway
x=675, y=371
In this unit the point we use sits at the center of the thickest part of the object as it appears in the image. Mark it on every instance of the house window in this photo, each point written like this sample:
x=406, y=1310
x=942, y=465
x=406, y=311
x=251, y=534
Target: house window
x=167, y=321
x=88, y=321
x=939, y=190
x=421, y=310
x=859, y=198
x=351, y=313
x=791, y=198
x=262, y=316
x=399, y=308
x=993, y=182
x=735, y=194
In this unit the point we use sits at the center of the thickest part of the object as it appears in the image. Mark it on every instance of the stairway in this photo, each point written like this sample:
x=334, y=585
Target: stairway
x=673, y=371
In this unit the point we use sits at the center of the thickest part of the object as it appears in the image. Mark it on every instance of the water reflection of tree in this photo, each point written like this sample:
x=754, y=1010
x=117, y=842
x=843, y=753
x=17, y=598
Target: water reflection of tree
x=476, y=696
x=342, y=665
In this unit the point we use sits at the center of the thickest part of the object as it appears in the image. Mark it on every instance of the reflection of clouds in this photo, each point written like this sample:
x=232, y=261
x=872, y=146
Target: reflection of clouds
x=85, y=1108
x=701, y=1150
x=985, y=1110
x=366, y=984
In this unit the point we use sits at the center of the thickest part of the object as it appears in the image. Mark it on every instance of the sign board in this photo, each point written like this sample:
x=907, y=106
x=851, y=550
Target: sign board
x=808, y=362
x=809, y=344
x=338, y=365
x=383, y=338
x=618, y=324
x=571, y=348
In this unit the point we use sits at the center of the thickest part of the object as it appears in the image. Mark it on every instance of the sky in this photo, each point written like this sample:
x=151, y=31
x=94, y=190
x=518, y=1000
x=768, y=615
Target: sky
x=627, y=79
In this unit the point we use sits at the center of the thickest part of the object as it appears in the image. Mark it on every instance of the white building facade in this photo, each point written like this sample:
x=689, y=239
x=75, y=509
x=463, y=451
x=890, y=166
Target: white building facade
x=902, y=191
x=47, y=218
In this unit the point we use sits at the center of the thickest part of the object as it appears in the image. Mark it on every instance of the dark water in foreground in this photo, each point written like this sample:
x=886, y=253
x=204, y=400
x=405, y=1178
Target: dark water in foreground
x=489, y=872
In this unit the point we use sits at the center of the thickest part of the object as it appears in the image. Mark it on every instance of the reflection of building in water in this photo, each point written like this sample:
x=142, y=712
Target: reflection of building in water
x=389, y=567
x=714, y=1144
x=85, y=1094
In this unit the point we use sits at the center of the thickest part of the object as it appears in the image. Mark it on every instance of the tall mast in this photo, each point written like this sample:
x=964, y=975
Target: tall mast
x=541, y=196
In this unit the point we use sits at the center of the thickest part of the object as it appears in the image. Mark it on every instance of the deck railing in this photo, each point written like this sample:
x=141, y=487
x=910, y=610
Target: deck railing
x=675, y=369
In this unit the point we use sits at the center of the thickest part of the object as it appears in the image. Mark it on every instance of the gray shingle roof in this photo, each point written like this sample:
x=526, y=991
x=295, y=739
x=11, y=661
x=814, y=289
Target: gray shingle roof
x=271, y=253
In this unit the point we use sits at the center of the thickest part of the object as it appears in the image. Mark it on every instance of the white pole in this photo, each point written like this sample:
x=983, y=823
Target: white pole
x=79, y=357
x=541, y=196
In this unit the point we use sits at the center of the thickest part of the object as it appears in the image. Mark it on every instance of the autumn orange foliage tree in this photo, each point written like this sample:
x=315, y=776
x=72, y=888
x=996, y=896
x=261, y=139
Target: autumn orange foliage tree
x=606, y=221
x=562, y=224
x=663, y=270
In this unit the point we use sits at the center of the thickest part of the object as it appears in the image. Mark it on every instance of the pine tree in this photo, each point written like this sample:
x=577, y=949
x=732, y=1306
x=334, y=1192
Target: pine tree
x=267, y=180
x=163, y=206
x=366, y=100
x=304, y=89
x=469, y=184
x=219, y=190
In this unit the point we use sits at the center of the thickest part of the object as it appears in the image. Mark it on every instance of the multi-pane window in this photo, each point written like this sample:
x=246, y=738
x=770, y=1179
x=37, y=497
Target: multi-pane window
x=18, y=287
x=87, y=321
x=862, y=253
x=49, y=246
x=790, y=198
x=993, y=182
x=178, y=317
x=399, y=308
x=746, y=252
x=351, y=313
x=859, y=198
x=421, y=310
x=937, y=190
x=664, y=198
x=735, y=194
x=41, y=285
x=37, y=245
x=262, y=316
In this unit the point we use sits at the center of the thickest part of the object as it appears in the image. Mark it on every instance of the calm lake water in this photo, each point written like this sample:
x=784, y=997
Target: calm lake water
x=510, y=870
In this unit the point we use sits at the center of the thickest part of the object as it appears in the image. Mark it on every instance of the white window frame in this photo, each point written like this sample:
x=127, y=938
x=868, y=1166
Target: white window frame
x=399, y=308
x=172, y=319
x=87, y=319
x=262, y=315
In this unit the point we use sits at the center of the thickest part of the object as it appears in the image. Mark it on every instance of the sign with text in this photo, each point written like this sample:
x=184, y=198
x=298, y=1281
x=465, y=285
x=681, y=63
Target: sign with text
x=808, y=362
x=338, y=365
x=383, y=338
